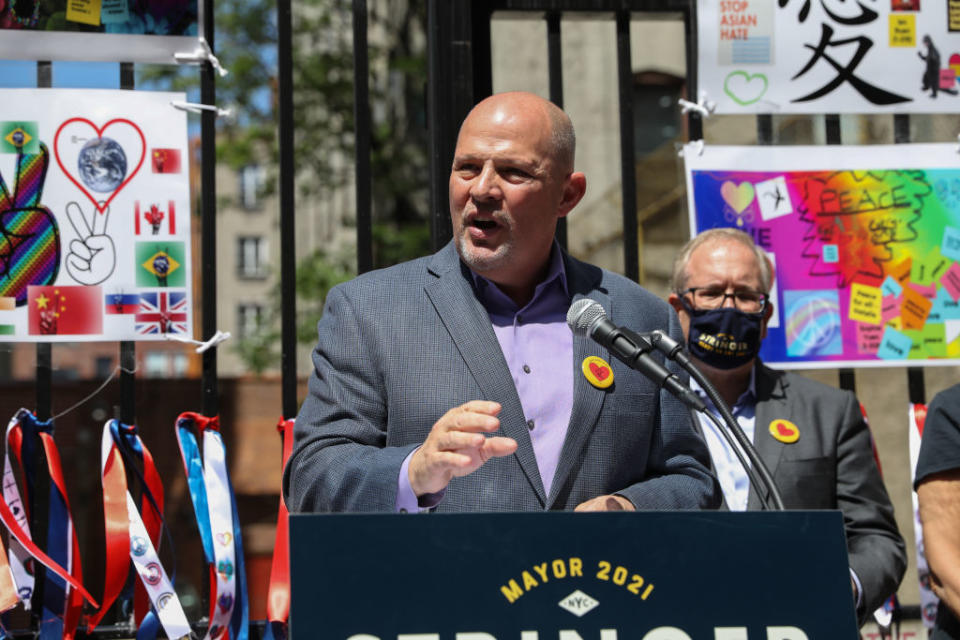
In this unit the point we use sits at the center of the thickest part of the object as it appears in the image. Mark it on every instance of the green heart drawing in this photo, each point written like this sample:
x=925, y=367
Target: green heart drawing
x=746, y=87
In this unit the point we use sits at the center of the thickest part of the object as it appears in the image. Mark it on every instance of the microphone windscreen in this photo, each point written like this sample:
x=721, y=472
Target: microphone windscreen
x=582, y=314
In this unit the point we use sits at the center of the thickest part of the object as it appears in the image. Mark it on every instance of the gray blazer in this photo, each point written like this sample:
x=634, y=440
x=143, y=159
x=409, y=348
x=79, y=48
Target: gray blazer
x=400, y=347
x=831, y=466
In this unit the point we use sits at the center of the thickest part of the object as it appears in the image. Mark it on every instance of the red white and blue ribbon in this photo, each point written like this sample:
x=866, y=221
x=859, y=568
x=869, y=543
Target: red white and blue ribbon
x=215, y=507
x=132, y=534
x=928, y=600
x=63, y=592
x=278, y=595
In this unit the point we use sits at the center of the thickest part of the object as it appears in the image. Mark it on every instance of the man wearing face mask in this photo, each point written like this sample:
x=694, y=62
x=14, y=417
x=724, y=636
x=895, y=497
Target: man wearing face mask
x=812, y=437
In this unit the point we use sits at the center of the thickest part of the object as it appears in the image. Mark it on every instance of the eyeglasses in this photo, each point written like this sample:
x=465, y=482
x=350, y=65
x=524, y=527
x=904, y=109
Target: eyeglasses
x=745, y=300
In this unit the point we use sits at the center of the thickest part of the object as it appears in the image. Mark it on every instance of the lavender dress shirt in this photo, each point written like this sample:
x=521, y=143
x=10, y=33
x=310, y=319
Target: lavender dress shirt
x=538, y=348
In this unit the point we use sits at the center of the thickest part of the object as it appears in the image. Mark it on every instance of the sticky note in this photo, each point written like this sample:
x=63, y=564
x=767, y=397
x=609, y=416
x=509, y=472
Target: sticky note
x=901, y=270
x=916, y=345
x=950, y=280
x=927, y=291
x=903, y=30
x=890, y=308
x=85, y=11
x=774, y=198
x=865, y=303
x=950, y=244
x=934, y=340
x=114, y=11
x=892, y=288
x=947, y=307
x=894, y=345
x=868, y=338
x=948, y=78
x=831, y=253
x=914, y=309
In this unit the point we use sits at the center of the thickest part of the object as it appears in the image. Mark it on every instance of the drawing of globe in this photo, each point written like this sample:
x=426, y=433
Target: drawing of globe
x=813, y=325
x=102, y=164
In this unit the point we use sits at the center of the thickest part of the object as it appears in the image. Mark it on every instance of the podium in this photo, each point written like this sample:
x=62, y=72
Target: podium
x=570, y=576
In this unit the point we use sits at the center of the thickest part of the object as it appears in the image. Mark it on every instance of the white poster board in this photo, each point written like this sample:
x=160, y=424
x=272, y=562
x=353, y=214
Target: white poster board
x=94, y=216
x=829, y=56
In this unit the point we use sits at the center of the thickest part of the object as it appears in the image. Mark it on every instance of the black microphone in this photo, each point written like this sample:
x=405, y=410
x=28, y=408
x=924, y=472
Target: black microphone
x=587, y=317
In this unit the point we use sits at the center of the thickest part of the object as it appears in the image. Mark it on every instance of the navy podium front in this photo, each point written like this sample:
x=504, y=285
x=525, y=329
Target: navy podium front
x=593, y=576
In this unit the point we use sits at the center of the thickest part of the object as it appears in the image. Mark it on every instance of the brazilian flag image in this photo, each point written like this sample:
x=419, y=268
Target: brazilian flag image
x=17, y=135
x=161, y=264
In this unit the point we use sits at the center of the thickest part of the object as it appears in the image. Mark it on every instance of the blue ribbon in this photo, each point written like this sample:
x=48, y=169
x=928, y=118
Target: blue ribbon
x=58, y=538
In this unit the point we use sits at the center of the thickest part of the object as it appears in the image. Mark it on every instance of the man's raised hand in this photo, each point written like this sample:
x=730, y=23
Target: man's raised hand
x=457, y=446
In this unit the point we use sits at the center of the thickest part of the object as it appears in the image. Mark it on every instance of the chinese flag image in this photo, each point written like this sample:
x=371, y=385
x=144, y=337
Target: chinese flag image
x=165, y=160
x=64, y=310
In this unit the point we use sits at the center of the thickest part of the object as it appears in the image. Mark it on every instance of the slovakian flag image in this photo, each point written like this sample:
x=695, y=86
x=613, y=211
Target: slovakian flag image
x=162, y=312
x=165, y=160
x=121, y=303
x=161, y=264
x=64, y=310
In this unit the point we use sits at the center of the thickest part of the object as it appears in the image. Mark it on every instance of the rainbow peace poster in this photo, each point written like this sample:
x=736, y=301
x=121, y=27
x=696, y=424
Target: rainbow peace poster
x=865, y=242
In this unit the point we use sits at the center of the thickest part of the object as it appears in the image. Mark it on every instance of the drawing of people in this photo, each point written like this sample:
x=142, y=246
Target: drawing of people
x=931, y=74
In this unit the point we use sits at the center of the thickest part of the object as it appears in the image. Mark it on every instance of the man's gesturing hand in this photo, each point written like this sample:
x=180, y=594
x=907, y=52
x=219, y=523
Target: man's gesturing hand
x=457, y=446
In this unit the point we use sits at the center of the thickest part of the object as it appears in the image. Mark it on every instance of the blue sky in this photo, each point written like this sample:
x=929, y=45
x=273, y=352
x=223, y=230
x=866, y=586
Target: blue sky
x=20, y=74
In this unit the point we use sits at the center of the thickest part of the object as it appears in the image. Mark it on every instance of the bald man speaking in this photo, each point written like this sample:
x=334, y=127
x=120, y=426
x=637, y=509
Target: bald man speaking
x=452, y=382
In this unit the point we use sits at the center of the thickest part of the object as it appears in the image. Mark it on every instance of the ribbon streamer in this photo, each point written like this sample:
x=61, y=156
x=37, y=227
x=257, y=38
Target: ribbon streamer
x=132, y=537
x=278, y=595
x=214, y=504
x=63, y=589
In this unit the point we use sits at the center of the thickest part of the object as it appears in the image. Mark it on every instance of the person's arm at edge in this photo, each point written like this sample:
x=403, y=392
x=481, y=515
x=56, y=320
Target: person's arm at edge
x=939, y=498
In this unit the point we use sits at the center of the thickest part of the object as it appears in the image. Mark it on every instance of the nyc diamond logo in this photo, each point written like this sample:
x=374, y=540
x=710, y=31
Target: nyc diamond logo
x=578, y=603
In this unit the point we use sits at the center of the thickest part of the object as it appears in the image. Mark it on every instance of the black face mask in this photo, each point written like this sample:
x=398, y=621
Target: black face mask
x=723, y=338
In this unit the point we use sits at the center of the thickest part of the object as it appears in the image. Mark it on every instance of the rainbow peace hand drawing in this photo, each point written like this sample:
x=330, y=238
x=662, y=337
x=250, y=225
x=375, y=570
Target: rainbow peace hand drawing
x=29, y=237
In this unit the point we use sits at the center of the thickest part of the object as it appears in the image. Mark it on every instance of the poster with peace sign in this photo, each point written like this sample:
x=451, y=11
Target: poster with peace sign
x=94, y=216
x=829, y=56
x=864, y=241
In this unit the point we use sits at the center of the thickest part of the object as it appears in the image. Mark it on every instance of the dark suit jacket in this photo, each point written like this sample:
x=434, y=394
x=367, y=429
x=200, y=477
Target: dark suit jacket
x=399, y=347
x=831, y=466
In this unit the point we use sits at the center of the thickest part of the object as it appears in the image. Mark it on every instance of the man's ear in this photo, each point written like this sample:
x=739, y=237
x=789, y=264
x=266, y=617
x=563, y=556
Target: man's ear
x=573, y=190
x=674, y=301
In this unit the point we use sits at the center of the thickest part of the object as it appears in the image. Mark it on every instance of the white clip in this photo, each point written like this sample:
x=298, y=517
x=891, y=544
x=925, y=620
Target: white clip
x=198, y=57
x=704, y=107
x=217, y=338
x=196, y=107
x=697, y=144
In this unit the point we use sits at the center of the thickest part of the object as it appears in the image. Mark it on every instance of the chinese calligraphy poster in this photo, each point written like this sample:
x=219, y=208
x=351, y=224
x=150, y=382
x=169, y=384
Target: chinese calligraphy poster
x=865, y=243
x=94, y=216
x=106, y=30
x=830, y=56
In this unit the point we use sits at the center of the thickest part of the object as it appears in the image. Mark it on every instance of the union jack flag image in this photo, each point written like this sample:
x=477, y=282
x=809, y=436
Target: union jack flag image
x=162, y=312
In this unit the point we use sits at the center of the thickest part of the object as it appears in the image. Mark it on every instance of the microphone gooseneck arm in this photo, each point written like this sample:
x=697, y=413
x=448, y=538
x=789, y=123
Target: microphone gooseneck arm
x=675, y=351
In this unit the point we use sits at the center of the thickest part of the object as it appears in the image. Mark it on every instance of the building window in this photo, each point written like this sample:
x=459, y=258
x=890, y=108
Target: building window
x=103, y=366
x=251, y=257
x=156, y=364
x=251, y=181
x=249, y=317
